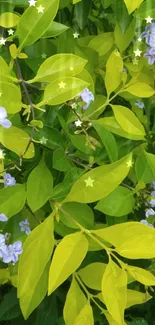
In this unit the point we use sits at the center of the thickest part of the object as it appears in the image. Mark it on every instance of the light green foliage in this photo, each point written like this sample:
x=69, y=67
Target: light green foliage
x=85, y=316
x=81, y=192
x=92, y=275
x=9, y=19
x=54, y=29
x=135, y=298
x=102, y=43
x=127, y=120
x=82, y=213
x=33, y=266
x=39, y=186
x=71, y=252
x=114, y=291
x=145, y=167
x=12, y=199
x=114, y=68
x=33, y=25
x=14, y=104
x=118, y=203
x=140, y=89
x=58, y=65
x=75, y=301
x=17, y=141
x=56, y=94
x=141, y=275
x=124, y=39
x=132, y=5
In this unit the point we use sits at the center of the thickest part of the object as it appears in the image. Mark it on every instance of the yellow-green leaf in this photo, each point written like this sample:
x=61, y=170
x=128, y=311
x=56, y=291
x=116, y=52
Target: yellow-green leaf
x=4, y=276
x=85, y=316
x=62, y=90
x=140, y=89
x=71, y=251
x=75, y=301
x=12, y=199
x=92, y=275
x=37, y=251
x=39, y=186
x=111, y=124
x=132, y=5
x=128, y=120
x=114, y=69
x=114, y=291
x=128, y=230
x=89, y=187
x=102, y=43
x=9, y=19
x=33, y=24
x=58, y=65
x=17, y=141
x=4, y=69
x=13, y=51
x=123, y=40
x=13, y=105
x=136, y=298
x=141, y=275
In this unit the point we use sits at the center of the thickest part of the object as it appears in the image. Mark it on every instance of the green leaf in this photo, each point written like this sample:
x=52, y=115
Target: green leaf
x=33, y=25
x=132, y=5
x=102, y=43
x=89, y=187
x=55, y=95
x=9, y=19
x=13, y=105
x=92, y=275
x=123, y=17
x=70, y=246
x=108, y=141
x=145, y=167
x=114, y=291
x=39, y=186
x=64, y=65
x=75, y=301
x=54, y=29
x=82, y=213
x=4, y=70
x=146, y=9
x=140, y=89
x=60, y=161
x=118, y=203
x=17, y=141
x=9, y=307
x=123, y=40
x=37, y=251
x=85, y=316
x=136, y=298
x=128, y=120
x=4, y=276
x=128, y=231
x=82, y=10
x=141, y=275
x=114, y=69
x=12, y=199
x=111, y=124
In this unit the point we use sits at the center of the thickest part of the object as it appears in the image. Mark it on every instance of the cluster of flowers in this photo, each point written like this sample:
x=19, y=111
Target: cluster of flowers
x=87, y=97
x=151, y=204
x=149, y=36
x=10, y=253
x=4, y=122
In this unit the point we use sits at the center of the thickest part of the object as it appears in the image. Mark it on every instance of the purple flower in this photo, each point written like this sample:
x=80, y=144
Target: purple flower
x=152, y=203
x=3, y=217
x=3, y=246
x=149, y=212
x=149, y=34
x=150, y=54
x=87, y=96
x=139, y=104
x=3, y=120
x=12, y=252
x=25, y=226
x=9, y=180
x=153, y=193
x=144, y=222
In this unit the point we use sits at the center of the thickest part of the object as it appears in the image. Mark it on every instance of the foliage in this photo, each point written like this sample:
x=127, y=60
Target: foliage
x=77, y=162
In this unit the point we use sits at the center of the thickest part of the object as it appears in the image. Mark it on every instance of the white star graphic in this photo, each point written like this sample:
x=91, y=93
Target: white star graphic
x=74, y=106
x=62, y=85
x=135, y=61
x=139, y=39
x=71, y=68
x=78, y=123
x=10, y=31
x=43, y=140
x=2, y=41
x=148, y=20
x=89, y=182
x=129, y=163
x=32, y=3
x=137, y=52
x=76, y=35
x=44, y=56
x=40, y=9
